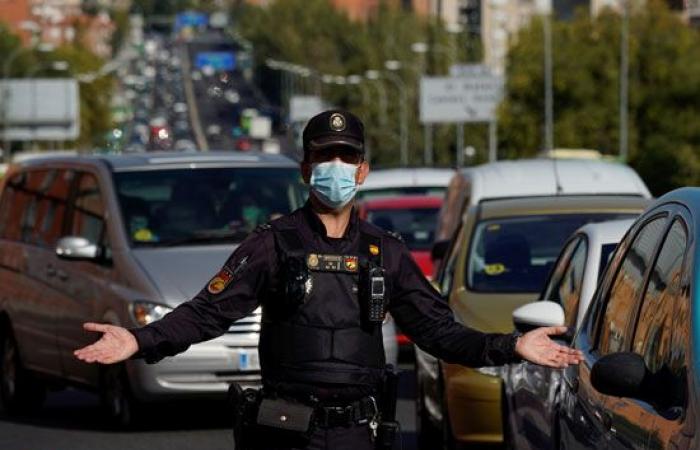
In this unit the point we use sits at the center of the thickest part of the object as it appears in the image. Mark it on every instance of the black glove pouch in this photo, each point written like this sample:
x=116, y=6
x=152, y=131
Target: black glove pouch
x=273, y=422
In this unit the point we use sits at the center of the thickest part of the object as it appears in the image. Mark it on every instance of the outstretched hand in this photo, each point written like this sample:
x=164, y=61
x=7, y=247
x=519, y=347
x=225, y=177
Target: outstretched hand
x=116, y=344
x=537, y=347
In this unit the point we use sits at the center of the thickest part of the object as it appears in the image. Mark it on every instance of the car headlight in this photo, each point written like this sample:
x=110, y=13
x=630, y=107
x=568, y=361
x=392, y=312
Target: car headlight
x=490, y=371
x=147, y=312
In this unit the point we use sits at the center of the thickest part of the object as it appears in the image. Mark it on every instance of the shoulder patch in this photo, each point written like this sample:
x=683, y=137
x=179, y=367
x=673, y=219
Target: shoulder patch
x=395, y=235
x=220, y=281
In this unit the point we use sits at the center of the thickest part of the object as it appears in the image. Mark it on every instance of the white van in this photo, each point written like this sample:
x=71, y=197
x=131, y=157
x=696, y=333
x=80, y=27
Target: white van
x=533, y=178
x=405, y=181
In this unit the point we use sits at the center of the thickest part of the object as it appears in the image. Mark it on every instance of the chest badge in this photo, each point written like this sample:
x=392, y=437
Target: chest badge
x=312, y=261
x=220, y=281
x=351, y=263
x=373, y=250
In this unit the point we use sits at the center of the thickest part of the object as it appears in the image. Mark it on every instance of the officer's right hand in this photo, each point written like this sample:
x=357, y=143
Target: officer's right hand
x=116, y=344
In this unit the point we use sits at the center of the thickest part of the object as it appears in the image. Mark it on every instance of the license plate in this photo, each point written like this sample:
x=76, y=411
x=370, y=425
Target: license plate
x=248, y=360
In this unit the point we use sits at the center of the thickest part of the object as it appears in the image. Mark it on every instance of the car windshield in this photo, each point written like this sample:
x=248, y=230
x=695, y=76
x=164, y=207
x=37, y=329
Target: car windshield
x=516, y=254
x=416, y=225
x=188, y=206
x=432, y=191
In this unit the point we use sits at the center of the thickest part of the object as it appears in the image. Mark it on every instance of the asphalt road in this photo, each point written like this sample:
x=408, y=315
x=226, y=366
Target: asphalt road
x=72, y=420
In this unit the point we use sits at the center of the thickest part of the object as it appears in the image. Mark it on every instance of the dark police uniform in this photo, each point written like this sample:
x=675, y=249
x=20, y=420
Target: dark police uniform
x=319, y=342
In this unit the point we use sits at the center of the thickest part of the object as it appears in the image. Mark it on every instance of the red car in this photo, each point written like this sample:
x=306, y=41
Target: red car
x=413, y=217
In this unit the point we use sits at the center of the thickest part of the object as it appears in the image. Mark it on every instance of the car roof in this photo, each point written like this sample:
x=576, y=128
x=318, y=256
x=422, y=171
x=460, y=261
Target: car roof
x=403, y=202
x=152, y=160
x=531, y=206
x=608, y=232
x=407, y=177
x=538, y=177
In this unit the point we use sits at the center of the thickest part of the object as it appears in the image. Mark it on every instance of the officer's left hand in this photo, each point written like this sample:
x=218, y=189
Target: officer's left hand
x=536, y=346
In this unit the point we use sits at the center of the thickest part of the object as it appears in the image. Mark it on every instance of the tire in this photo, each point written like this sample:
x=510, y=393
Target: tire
x=20, y=390
x=117, y=400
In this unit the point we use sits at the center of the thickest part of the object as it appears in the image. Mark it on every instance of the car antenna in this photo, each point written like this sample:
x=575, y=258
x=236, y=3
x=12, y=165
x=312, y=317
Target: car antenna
x=557, y=180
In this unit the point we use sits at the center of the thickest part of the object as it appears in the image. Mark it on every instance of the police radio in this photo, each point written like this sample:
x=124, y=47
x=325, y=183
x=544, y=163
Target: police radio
x=376, y=305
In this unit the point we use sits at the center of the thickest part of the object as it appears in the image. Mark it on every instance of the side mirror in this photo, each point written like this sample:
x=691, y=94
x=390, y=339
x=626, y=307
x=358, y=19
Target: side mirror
x=622, y=374
x=538, y=314
x=76, y=248
x=439, y=250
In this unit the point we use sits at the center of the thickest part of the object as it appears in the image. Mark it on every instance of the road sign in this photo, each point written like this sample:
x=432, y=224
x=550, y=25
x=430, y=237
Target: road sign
x=35, y=109
x=215, y=60
x=304, y=107
x=469, y=70
x=190, y=19
x=460, y=99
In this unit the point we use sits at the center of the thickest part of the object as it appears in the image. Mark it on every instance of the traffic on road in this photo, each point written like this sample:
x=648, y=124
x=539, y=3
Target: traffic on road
x=203, y=149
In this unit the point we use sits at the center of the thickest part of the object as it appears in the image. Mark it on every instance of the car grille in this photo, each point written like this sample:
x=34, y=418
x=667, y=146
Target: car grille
x=248, y=324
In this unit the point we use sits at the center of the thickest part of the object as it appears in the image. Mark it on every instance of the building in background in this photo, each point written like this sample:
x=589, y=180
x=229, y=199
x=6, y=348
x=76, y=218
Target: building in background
x=59, y=22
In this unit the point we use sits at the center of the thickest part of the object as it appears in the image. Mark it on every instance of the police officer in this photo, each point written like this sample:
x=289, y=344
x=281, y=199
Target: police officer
x=325, y=279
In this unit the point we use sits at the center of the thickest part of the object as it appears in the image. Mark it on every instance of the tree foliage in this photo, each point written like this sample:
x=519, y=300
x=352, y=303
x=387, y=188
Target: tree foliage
x=664, y=92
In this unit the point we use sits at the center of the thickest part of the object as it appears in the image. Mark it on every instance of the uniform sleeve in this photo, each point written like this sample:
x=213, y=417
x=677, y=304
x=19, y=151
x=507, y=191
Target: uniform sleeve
x=427, y=319
x=233, y=293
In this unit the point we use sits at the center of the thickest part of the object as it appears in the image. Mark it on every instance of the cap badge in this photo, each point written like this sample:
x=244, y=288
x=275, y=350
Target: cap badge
x=337, y=122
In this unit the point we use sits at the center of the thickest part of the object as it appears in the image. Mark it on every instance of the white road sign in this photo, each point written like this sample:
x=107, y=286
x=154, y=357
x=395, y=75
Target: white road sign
x=460, y=99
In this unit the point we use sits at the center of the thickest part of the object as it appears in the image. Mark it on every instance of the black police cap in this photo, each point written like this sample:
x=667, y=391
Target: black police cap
x=334, y=128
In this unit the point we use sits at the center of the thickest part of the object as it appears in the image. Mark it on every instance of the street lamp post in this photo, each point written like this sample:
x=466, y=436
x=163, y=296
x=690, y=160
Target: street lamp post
x=624, y=81
x=548, y=94
x=392, y=66
x=374, y=75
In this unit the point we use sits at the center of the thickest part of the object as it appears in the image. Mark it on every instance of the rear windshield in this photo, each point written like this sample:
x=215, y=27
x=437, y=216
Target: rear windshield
x=416, y=226
x=516, y=254
x=198, y=206
x=432, y=191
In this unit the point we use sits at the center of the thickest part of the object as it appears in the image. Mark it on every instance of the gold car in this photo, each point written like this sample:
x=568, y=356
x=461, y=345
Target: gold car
x=499, y=260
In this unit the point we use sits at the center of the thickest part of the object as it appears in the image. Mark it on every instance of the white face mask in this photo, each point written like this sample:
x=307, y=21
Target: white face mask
x=334, y=183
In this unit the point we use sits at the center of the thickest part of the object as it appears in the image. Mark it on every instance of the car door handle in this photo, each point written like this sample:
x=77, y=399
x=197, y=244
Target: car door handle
x=63, y=276
x=50, y=271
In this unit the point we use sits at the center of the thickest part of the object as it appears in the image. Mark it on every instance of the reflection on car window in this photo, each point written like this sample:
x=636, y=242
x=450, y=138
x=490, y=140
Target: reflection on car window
x=219, y=204
x=517, y=254
x=654, y=336
x=606, y=253
x=416, y=226
x=568, y=291
x=626, y=287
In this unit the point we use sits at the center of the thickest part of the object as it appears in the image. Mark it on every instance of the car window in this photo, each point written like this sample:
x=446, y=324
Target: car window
x=88, y=211
x=15, y=200
x=516, y=254
x=53, y=204
x=562, y=264
x=626, y=286
x=658, y=322
x=415, y=225
x=568, y=291
x=206, y=205
x=606, y=252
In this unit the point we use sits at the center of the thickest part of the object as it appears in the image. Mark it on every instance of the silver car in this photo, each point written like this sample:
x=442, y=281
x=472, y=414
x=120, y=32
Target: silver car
x=123, y=240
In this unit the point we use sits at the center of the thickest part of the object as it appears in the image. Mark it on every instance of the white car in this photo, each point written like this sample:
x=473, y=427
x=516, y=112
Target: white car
x=396, y=182
x=529, y=389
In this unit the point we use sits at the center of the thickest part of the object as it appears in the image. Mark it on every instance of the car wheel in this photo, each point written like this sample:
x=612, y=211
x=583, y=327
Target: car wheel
x=428, y=434
x=116, y=397
x=20, y=391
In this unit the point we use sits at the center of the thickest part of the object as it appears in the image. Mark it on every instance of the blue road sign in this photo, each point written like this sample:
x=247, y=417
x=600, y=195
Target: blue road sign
x=216, y=60
x=190, y=19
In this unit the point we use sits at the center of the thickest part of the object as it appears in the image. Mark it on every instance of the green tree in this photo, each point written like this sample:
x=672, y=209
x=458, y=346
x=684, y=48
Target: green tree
x=664, y=55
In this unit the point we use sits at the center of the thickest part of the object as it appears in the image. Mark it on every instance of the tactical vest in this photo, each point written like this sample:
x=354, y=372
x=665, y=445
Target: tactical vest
x=322, y=327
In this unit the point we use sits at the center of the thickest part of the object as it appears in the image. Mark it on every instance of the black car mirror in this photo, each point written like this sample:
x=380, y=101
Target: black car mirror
x=439, y=250
x=622, y=374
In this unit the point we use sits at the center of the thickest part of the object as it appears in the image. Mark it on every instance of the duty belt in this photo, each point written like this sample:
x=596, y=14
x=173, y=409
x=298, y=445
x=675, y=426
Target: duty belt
x=359, y=412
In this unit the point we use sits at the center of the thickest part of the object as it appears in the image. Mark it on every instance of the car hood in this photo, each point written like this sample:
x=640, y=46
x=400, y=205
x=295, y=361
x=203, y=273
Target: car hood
x=180, y=273
x=490, y=313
